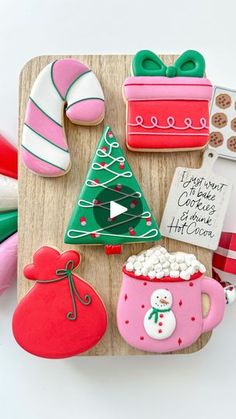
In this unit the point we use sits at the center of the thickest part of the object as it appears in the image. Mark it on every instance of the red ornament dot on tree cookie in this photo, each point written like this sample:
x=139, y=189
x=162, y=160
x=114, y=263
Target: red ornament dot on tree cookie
x=97, y=181
x=104, y=148
x=132, y=231
x=133, y=203
x=110, y=134
x=103, y=164
x=118, y=187
x=122, y=165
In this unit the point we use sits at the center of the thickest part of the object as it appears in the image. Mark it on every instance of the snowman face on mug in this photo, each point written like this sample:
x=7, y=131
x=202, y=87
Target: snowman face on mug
x=161, y=299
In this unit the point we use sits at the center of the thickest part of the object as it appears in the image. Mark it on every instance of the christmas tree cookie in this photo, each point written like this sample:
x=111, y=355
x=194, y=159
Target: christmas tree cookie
x=110, y=185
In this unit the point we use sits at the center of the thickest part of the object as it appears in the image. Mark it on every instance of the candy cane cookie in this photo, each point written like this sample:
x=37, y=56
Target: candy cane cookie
x=64, y=85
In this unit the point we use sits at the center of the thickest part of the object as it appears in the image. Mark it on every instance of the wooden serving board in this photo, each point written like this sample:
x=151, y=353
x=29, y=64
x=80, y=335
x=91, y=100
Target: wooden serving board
x=45, y=204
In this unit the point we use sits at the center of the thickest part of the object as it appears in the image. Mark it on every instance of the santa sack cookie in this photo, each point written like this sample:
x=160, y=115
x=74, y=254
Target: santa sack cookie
x=160, y=302
x=167, y=106
x=62, y=315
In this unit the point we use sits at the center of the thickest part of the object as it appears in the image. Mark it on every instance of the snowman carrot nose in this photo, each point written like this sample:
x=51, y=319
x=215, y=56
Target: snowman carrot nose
x=162, y=301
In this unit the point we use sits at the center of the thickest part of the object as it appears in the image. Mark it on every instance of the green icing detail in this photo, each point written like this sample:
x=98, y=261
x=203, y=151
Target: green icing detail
x=40, y=158
x=74, y=81
x=8, y=224
x=32, y=100
x=190, y=64
x=82, y=100
x=67, y=273
x=46, y=139
x=109, y=169
x=54, y=84
x=155, y=312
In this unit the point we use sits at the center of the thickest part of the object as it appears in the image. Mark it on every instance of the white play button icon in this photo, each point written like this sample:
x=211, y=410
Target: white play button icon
x=116, y=209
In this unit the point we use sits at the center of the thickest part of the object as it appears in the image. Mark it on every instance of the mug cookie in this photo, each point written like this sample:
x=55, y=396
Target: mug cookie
x=233, y=124
x=223, y=101
x=160, y=303
x=219, y=120
x=216, y=139
x=65, y=85
x=231, y=143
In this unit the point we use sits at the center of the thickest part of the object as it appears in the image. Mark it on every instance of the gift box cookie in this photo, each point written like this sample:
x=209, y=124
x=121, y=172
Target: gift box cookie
x=223, y=122
x=167, y=107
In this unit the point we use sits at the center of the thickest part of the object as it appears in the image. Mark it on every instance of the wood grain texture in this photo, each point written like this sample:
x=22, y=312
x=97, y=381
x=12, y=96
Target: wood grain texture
x=45, y=204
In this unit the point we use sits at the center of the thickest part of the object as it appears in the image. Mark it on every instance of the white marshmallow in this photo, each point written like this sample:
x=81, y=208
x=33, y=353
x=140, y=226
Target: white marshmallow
x=174, y=274
x=174, y=266
x=185, y=275
x=129, y=266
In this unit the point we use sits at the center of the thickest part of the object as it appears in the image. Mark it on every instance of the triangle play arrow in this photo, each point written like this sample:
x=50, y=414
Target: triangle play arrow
x=116, y=209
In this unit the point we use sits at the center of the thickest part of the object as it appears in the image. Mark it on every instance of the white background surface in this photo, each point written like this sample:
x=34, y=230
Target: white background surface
x=197, y=386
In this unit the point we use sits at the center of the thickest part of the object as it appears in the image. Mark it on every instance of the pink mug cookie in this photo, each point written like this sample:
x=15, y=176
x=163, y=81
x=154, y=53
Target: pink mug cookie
x=164, y=313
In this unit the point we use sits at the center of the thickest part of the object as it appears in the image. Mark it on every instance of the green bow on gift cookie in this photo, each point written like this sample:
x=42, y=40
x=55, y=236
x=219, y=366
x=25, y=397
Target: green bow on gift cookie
x=190, y=64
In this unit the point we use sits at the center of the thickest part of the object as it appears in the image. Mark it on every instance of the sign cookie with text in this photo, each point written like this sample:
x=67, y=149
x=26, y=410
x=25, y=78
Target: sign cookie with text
x=196, y=205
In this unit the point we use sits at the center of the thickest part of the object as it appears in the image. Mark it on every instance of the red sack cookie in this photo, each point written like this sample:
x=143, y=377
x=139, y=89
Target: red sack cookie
x=62, y=315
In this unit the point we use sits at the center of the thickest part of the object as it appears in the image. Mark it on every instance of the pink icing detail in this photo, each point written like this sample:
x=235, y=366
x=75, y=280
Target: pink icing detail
x=44, y=126
x=39, y=166
x=65, y=72
x=159, y=88
x=86, y=110
x=170, y=124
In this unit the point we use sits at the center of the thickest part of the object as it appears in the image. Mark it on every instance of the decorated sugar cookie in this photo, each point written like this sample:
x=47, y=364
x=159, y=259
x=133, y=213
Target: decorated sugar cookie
x=68, y=84
x=8, y=224
x=167, y=106
x=62, y=315
x=8, y=261
x=111, y=209
x=160, y=302
x=8, y=158
x=8, y=193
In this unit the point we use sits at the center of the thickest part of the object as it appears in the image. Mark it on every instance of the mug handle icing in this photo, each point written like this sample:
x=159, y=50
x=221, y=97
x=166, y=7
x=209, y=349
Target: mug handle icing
x=217, y=303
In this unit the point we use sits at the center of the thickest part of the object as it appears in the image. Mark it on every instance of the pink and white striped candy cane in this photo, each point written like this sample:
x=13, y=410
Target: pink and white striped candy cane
x=64, y=84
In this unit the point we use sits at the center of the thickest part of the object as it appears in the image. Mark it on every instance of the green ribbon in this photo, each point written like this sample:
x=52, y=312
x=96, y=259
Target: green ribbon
x=155, y=312
x=190, y=64
x=67, y=274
